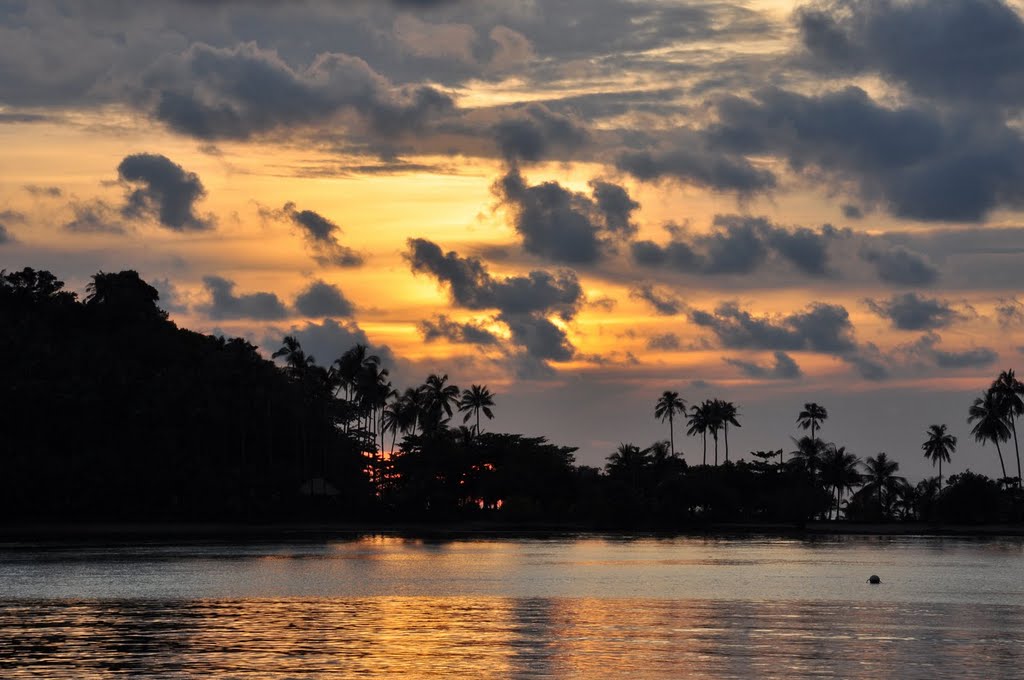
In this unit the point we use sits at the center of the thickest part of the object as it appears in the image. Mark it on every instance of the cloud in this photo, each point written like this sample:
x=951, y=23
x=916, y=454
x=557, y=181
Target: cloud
x=783, y=368
x=471, y=286
x=820, y=327
x=667, y=342
x=443, y=327
x=171, y=299
x=901, y=266
x=1010, y=312
x=739, y=244
x=321, y=236
x=664, y=302
x=225, y=304
x=926, y=349
x=852, y=212
x=43, y=191
x=918, y=163
x=532, y=132
x=322, y=299
x=328, y=340
x=966, y=51
x=913, y=312
x=435, y=41
x=237, y=92
x=159, y=187
x=564, y=225
x=5, y=235
x=700, y=167
x=539, y=336
x=95, y=217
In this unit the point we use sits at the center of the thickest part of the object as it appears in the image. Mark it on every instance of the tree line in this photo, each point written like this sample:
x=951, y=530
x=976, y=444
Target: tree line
x=110, y=411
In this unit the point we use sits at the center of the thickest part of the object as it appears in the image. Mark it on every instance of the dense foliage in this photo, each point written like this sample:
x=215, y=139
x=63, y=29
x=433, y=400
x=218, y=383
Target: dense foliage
x=110, y=411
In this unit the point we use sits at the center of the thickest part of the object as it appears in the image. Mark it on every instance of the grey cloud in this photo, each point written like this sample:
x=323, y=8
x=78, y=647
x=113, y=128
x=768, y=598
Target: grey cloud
x=1010, y=312
x=539, y=337
x=666, y=342
x=663, y=302
x=926, y=349
x=225, y=304
x=700, y=167
x=321, y=235
x=852, y=212
x=94, y=217
x=821, y=327
x=901, y=266
x=5, y=235
x=740, y=245
x=328, y=340
x=783, y=368
x=968, y=50
x=564, y=225
x=443, y=327
x=235, y=93
x=12, y=216
x=43, y=191
x=532, y=132
x=917, y=162
x=323, y=299
x=162, y=188
x=913, y=312
x=170, y=297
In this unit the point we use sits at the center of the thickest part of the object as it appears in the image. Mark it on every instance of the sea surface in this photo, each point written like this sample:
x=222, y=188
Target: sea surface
x=571, y=606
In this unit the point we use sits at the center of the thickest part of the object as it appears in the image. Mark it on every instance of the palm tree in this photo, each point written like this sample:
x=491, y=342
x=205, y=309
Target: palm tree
x=438, y=399
x=713, y=416
x=811, y=417
x=728, y=412
x=667, y=406
x=938, y=446
x=882, y=480
x=839, y=471
x=1010, y=391
x=628, y=461
x=474, y=400
x=698, y=424
x=807, y=454
x=298, y=362
x=348, y=366
x=989, y=425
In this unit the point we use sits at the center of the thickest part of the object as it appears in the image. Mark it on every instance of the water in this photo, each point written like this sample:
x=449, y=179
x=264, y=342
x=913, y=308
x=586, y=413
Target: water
x=593, y=607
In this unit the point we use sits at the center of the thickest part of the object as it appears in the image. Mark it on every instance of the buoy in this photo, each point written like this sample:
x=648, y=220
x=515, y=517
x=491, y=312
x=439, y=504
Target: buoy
x=874, y=580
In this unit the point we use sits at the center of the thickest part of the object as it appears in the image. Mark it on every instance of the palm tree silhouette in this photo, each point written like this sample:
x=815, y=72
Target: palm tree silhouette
x=839, y=471
x=811, y=417
x=807, y=454
x=667, y=406
x=698, y=424
x=297, y=361
x=438, y=400
x=1010, y=391
x=989, y=424
x=714, y=420
x=882, y=480
x=938, y=446
x=629, y=461
x=727, y=412
x=475, y=400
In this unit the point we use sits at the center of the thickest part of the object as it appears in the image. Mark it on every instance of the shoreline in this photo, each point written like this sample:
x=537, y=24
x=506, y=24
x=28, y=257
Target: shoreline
x=169, y=532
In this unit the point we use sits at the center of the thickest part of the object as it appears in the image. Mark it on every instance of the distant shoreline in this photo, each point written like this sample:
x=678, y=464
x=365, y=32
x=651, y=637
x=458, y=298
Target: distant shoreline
x=307, y=531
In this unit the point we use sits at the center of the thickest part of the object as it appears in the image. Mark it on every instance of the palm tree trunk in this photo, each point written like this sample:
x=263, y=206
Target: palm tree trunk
x=477, y=422
x=727, y=442
x=716, y=449
x=671, y=435
x=940, y=473
x=704, y=436
x=1000, y=452
x=1016, y=449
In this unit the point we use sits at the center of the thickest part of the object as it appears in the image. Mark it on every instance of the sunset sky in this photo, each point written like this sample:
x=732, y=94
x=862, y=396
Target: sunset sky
x=579, y=203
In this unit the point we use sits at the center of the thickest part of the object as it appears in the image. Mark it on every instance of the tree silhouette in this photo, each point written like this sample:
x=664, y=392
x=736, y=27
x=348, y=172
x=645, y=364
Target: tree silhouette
x=714, y=418
x=1010, y=391
x=438, y=398
x=727, y=412
x=881, y=480
x=811, y=418
x=475, y=400
x=667, y=406
x=839, y=471
x=987, y=414
x=938, y=446
x=698, y=424
x=808, y=454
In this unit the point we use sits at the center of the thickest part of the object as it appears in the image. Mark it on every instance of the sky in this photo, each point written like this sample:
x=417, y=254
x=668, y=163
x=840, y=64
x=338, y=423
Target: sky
x=578, y=203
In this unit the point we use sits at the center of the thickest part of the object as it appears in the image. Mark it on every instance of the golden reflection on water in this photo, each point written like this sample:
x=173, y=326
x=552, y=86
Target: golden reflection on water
x=480, y=637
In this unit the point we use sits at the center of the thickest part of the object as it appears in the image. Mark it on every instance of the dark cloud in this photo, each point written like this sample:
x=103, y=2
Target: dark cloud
x=913, y=312
x=964, y=50
x=664, y=302
x=95, y=217
x=1010, y=312
x=916, y=162
x=701, y=167
x=821, y=327
x=667, y=342
x=323, y=299
x=5, y=235
x=926, y=349
x=539, y=337
x=225, y=304
x=321, y=236
x=160, y=187
x=852, y=212
x=783, y=368
x=471, y=286
x=237, y=92
x=532, y=132
x=170, y=298
x=9, y=215
x=564, y=225
x=739, y=244
x=443, y=327
x=44, y=192
x=328, y=340
x=901, y=266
